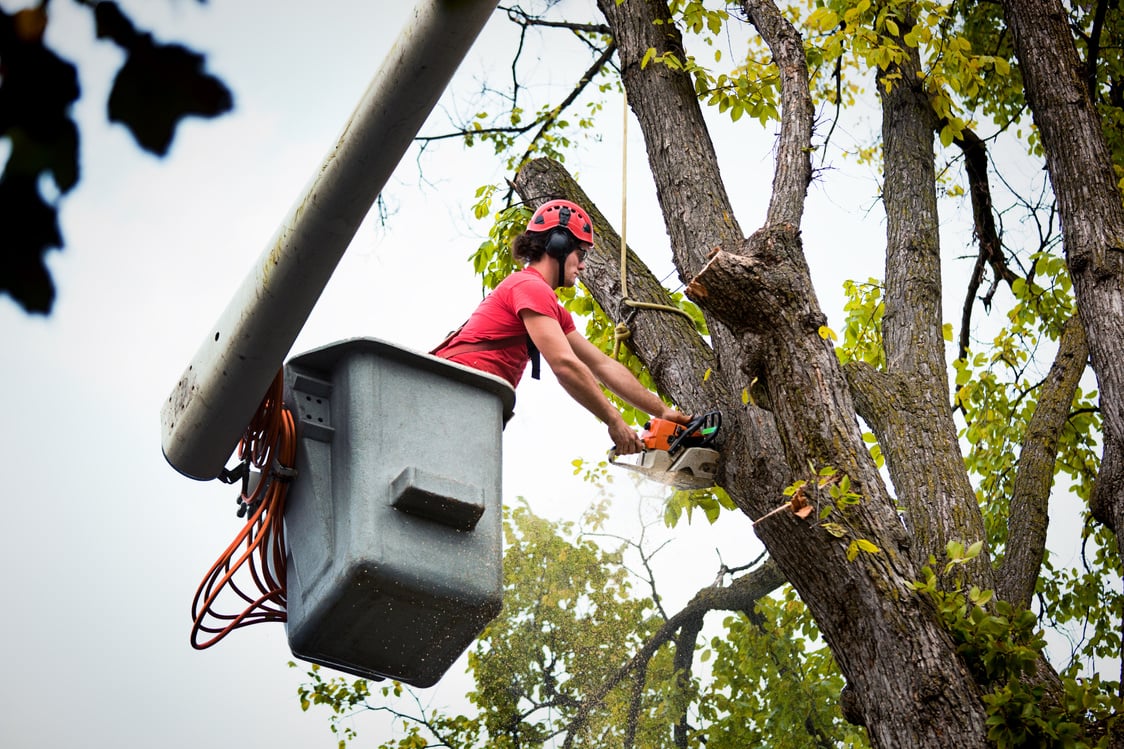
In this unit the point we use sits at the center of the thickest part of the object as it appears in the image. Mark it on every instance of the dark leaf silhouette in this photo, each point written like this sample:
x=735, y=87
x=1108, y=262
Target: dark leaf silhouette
x=37, y=88
x=156, y=87
x=28, y=228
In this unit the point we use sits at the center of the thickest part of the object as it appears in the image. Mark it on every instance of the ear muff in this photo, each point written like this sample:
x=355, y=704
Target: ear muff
x=560, y=243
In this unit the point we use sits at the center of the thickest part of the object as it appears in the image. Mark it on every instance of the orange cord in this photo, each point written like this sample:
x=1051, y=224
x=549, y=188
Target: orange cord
x=268, y=444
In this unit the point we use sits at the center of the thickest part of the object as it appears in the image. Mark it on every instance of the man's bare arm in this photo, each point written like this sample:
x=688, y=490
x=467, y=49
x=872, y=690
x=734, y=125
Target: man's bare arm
x=621, y=381
x=577, y=379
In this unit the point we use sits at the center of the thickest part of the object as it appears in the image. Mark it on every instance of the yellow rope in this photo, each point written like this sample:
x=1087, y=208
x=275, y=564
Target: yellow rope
x=624, y=192
x=621, y=332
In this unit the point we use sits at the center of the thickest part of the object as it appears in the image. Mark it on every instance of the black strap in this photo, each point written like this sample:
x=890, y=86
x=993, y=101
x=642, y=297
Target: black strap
x=533, y=352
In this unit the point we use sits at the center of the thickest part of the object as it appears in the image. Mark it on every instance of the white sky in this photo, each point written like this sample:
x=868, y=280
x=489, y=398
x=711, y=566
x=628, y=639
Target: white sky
x=105, y=543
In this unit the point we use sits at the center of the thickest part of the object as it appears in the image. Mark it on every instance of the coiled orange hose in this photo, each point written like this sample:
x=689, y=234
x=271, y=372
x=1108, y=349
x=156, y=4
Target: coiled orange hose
x=269, y=444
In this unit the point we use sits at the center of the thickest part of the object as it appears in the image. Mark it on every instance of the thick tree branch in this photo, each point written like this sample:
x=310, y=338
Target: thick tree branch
x=794, y=147
x=1090, y=206
x=919, y=438
x=685, y=643
x=675, y=354
x=689, y=185
x=1028, y=518
x=634, y=704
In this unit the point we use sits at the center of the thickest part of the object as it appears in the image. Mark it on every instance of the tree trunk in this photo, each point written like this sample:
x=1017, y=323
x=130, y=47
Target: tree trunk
x=1092, y=215
x=908, y=406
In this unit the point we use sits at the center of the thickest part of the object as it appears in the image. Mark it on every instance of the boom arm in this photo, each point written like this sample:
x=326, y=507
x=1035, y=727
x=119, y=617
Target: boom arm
x=208, y=409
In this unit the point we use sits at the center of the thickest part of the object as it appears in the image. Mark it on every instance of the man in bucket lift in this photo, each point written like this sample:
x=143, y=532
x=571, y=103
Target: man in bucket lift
x=522, y=319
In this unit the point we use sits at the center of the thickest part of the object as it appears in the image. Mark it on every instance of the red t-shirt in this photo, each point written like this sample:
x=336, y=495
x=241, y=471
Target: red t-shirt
x=498, y=317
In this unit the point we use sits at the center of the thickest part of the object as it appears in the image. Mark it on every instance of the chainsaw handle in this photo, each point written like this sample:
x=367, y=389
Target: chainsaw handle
x=710, y=420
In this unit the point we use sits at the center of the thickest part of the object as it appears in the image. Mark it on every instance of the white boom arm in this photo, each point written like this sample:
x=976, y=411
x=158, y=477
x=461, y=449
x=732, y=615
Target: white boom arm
x=216, y=397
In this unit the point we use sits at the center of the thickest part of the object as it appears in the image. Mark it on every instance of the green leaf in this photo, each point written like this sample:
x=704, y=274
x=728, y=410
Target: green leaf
x=834, y=529
x=947, y=136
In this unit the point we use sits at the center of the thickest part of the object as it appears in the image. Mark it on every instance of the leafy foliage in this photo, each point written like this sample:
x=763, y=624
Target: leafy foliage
x=862, y=332
x=571, y=616
x=157, y=86
x=710, y=501
x=1001, y=646
x=771, y=663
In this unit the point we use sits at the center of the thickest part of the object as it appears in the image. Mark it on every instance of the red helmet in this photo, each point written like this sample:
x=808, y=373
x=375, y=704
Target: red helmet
x=564, y=214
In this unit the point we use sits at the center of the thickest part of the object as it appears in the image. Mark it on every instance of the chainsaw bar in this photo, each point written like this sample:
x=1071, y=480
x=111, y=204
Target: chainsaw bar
x=693, y=468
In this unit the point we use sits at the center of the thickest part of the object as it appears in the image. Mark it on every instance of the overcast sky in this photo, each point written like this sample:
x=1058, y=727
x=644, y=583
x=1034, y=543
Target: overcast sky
x=103, y=542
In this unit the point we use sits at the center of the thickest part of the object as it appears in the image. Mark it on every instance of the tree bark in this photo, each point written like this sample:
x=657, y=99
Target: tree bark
x=899, y=660
x=915, y=427
x=1028, y=516
x=1092, y=214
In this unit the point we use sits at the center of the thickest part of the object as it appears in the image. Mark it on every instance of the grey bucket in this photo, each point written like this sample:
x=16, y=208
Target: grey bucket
x=393, y=523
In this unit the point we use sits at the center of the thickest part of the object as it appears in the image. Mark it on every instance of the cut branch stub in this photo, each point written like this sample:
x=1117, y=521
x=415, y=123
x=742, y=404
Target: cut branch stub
x=756, y=289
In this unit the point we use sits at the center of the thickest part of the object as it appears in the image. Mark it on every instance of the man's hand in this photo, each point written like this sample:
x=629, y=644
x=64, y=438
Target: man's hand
x=670, y=414
x=625, y=441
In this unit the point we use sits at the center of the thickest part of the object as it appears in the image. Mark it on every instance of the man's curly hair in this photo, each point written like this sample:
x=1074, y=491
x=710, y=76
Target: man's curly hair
x=529, y=246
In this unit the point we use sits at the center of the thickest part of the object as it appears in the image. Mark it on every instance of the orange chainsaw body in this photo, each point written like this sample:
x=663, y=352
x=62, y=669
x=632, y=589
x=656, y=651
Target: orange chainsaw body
x=658, y=434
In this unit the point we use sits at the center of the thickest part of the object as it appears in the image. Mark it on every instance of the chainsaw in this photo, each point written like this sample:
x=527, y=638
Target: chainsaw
x=677, y=455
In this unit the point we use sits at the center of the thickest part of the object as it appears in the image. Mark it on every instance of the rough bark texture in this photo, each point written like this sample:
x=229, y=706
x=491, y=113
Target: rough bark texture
x=1028, y=515
x=915, y=426
x=1092, y=215
x=906, y=683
